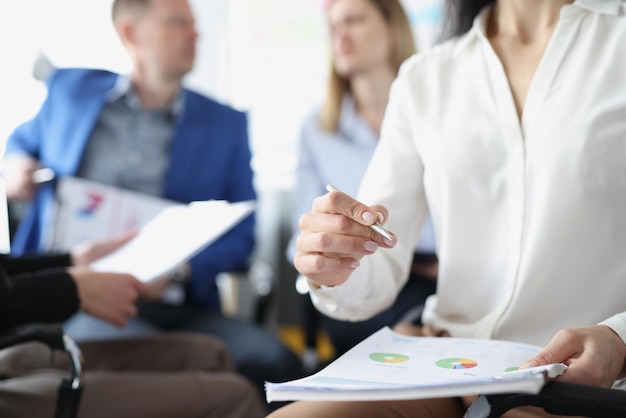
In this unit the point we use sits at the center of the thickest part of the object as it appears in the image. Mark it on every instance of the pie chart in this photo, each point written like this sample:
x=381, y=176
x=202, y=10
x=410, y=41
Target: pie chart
x=456, y=363
x=388, y=357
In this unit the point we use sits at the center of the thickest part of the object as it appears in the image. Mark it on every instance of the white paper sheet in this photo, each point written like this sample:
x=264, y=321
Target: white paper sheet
x=172, y=237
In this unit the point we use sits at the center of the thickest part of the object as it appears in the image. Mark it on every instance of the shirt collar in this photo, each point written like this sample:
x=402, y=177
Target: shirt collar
x=479, y=28
x=124, y=88
x=609, y=7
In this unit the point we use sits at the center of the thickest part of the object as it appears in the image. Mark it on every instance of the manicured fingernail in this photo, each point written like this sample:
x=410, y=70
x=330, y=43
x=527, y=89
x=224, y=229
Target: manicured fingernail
x=354, y=264
x=528, y=365
x=389, y=242
x=370, y=246
x=381, y=217
x=368, y=217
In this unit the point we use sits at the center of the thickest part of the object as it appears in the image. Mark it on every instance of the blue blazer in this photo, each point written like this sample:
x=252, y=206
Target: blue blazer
x=210, y=159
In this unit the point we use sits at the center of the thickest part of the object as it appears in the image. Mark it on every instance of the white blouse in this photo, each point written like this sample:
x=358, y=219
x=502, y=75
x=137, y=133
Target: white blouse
x=530, y=216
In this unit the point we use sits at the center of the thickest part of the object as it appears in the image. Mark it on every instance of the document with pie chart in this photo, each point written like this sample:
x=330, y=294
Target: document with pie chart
x=388, y=365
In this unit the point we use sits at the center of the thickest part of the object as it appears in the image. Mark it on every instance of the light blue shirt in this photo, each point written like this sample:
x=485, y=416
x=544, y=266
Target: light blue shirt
x=338, y=158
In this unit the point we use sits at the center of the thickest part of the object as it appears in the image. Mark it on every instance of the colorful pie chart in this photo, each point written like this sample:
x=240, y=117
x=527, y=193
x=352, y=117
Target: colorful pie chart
x=456, y=363
x=388, y=357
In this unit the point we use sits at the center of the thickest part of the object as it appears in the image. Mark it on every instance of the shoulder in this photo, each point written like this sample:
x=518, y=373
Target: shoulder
x=440, y=57
x=81, y=80
x=310, y=129
x=80, y=75
x=197, y=102
x=311, y=121
x=433, y=75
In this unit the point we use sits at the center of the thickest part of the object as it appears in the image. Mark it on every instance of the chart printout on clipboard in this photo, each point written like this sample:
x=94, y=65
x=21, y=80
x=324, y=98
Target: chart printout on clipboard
x=88, y=210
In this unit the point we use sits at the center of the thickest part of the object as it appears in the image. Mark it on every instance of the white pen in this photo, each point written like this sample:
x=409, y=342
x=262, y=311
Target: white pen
x=376, y=226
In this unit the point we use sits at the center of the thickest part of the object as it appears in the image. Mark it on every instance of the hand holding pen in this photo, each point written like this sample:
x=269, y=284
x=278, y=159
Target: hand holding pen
x=376, y=226
x=22, y=175
x=336, y=234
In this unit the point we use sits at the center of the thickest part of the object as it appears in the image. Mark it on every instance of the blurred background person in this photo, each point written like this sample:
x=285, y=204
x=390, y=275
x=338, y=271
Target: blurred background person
x=369, y=41
x=153, y=376
x=146, y=132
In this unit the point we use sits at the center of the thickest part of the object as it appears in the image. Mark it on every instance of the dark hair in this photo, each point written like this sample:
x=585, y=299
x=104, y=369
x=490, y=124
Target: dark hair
x=460, y=14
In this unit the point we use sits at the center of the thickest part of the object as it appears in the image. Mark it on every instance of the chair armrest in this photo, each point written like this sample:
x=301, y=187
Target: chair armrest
x=558, y=398
x=53, y=336
x=49, y=334
x=247, y=293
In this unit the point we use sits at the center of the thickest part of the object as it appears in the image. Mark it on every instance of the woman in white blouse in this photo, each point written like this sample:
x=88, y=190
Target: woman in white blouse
x=513, y=133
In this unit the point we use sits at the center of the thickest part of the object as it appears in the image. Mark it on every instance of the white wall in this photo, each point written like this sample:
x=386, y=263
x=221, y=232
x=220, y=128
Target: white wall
x=267, y=57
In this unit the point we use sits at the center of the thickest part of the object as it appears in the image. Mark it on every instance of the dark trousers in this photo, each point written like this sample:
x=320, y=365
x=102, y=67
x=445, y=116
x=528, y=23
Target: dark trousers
x=257, y=353
x=345, y=334
x=174, y=375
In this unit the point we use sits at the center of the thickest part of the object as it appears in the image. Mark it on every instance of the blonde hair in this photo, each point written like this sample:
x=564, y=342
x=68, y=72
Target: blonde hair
x=403, y=46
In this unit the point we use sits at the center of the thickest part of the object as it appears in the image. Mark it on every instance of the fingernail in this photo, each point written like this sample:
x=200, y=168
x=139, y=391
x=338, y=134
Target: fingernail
x=389, y=242
x=381, y=217
x=528, y=365
x=370, y=246
x=354, y=264
x=368, y=217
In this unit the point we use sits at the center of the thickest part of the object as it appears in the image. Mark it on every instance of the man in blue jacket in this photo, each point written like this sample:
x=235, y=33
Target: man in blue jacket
x=148, y=133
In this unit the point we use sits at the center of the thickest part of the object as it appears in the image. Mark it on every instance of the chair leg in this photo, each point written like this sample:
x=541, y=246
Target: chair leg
x=68, y=400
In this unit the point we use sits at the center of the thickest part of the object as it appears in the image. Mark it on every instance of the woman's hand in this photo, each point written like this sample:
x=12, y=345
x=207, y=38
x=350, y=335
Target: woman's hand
x=334, y=237
x=594, y=355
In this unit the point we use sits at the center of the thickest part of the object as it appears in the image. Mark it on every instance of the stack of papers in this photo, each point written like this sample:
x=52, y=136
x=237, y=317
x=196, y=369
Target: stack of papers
x=389, y=366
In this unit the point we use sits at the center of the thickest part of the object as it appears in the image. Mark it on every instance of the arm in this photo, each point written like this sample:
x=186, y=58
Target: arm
x=32, y=263
x=18, y=172
x=36, y=297
x=393, y=179
x=22, y=154
x=45, y=291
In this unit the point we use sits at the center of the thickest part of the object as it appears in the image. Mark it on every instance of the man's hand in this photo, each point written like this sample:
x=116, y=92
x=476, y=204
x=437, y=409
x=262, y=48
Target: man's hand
x=594, y=355
x=335, y=235
x=18, y=176
x=87, y=252
x=109, y=296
